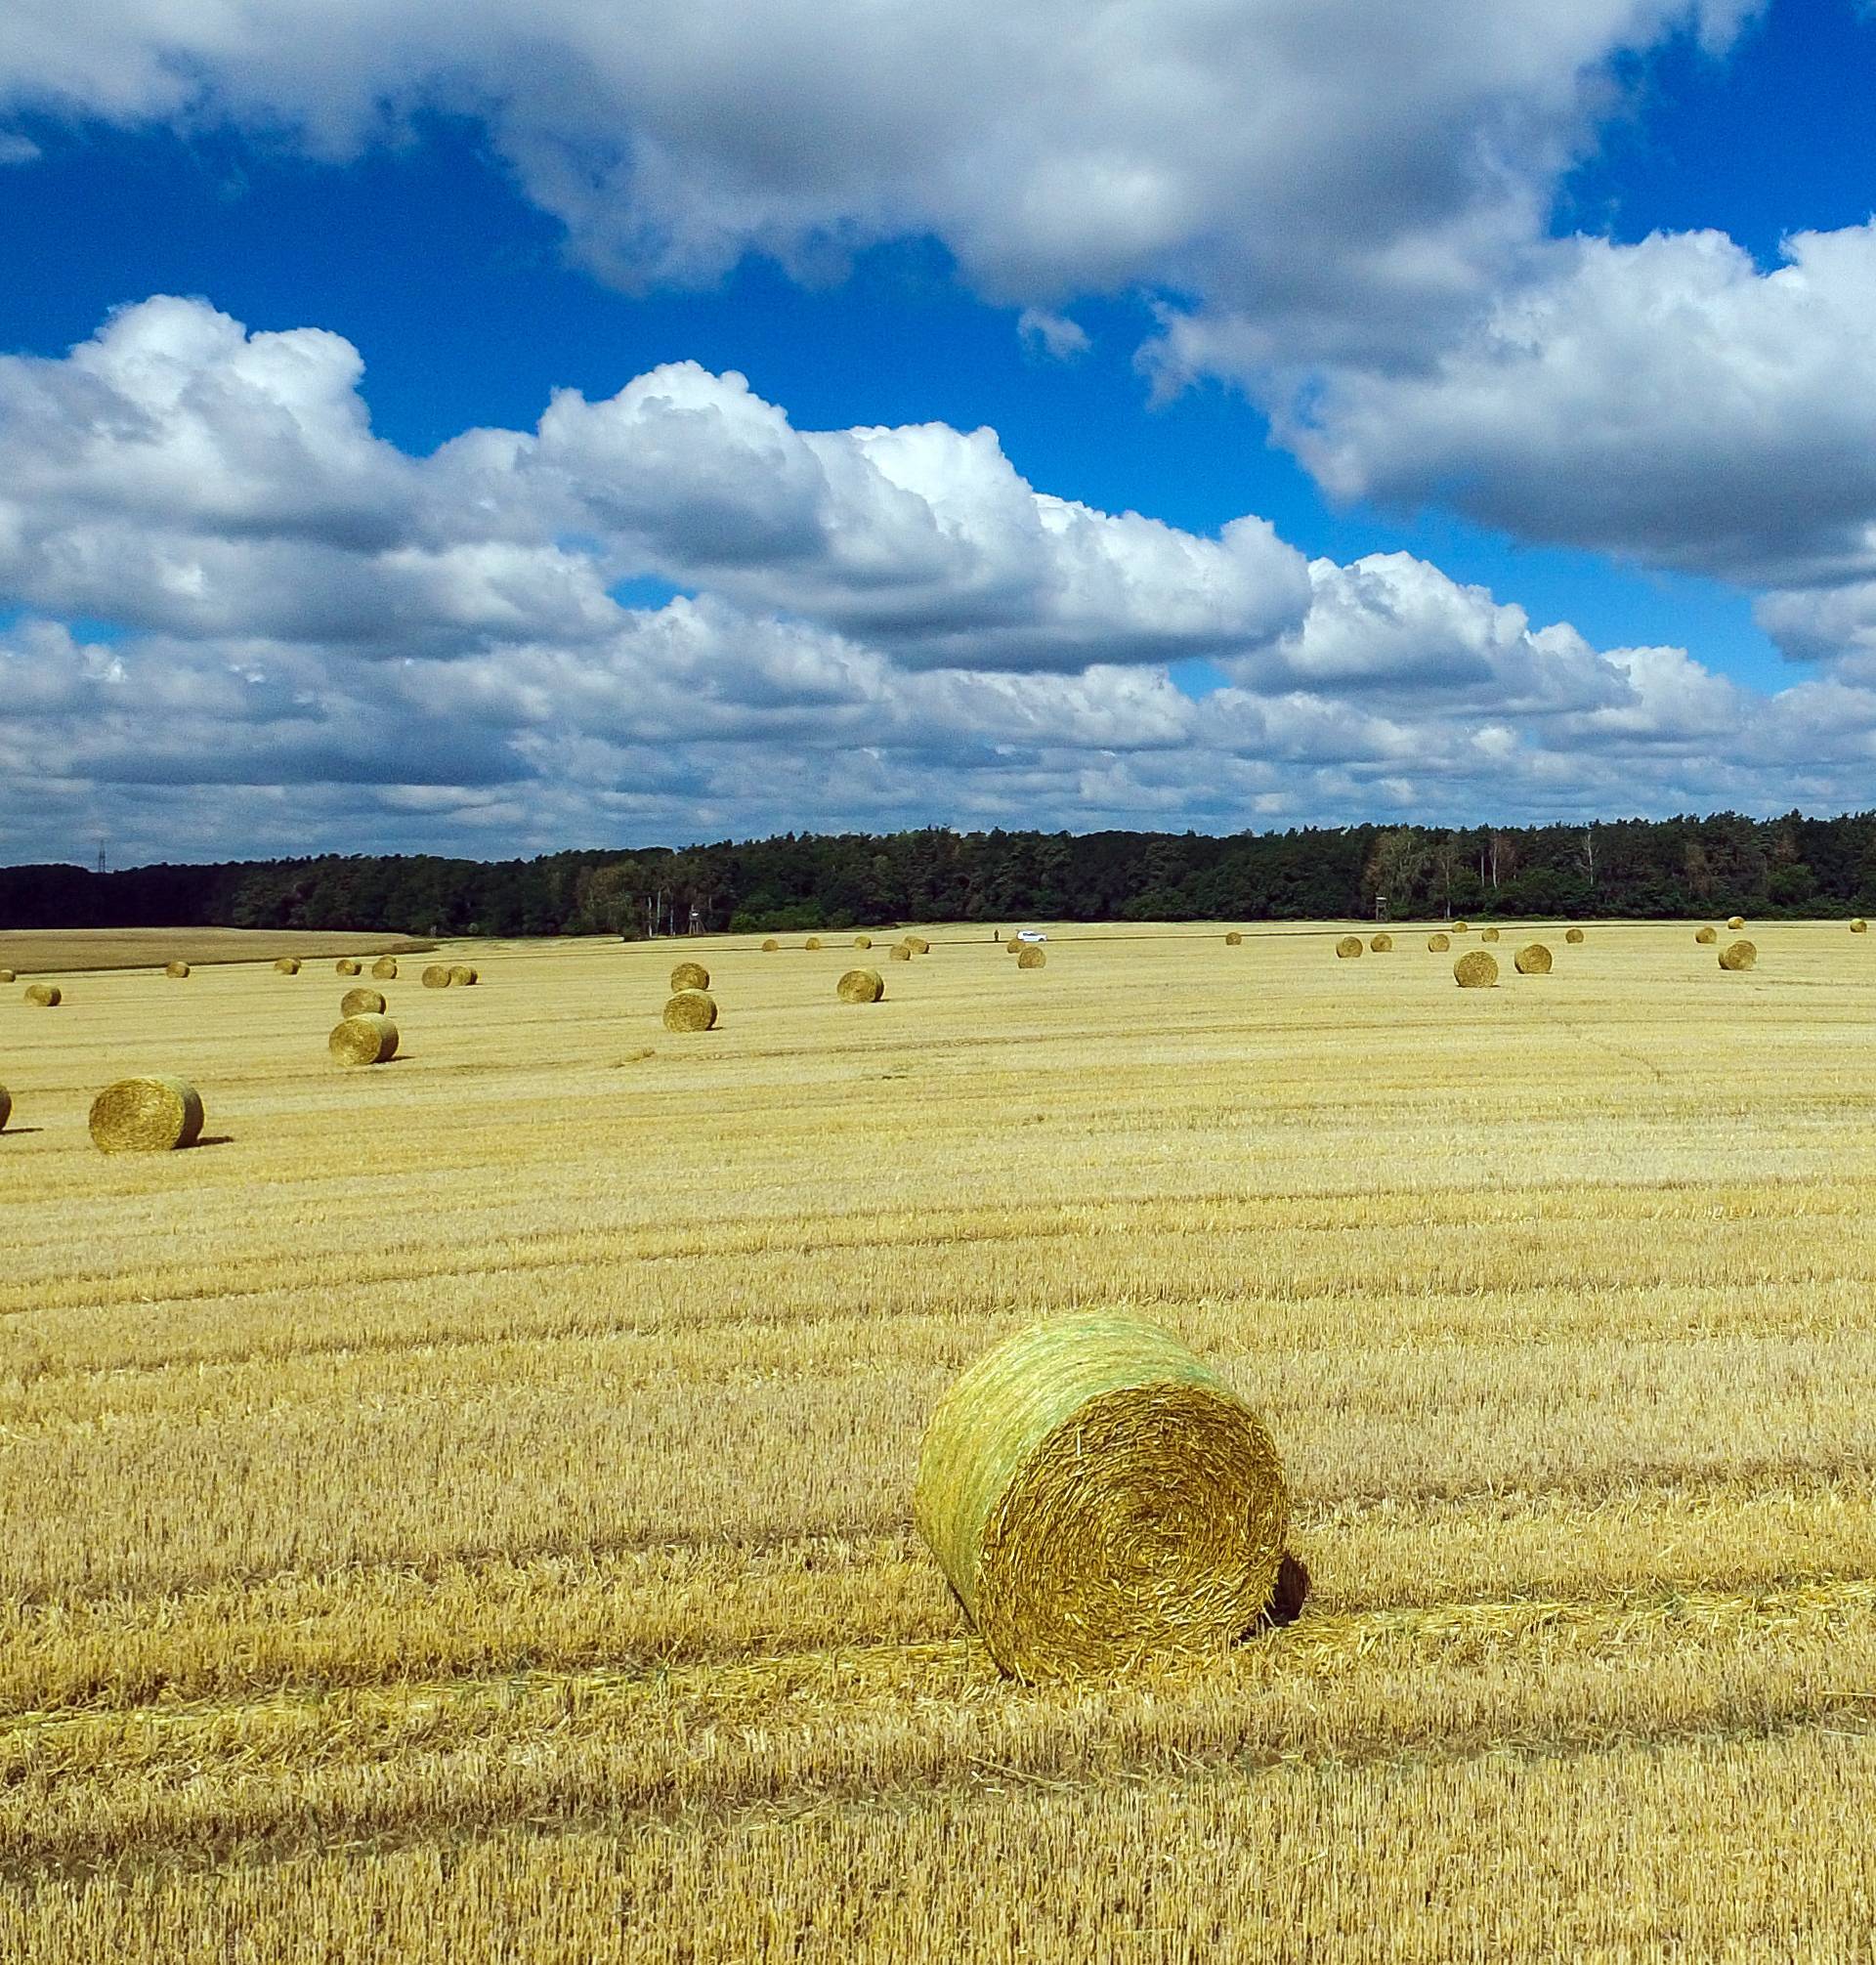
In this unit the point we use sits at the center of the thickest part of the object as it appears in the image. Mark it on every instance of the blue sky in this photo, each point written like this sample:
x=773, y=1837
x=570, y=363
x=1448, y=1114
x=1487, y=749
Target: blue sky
x=1563, y=447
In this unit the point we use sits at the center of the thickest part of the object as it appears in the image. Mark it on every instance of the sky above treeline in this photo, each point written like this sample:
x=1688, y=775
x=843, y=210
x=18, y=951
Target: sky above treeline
x=499, y=427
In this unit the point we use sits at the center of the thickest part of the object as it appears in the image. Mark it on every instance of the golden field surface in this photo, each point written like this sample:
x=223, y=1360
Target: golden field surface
x=54, y=952
x=461, y=1510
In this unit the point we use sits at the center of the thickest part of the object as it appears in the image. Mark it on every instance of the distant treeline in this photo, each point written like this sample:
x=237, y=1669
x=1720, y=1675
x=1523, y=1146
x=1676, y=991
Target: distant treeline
x=1714, y=866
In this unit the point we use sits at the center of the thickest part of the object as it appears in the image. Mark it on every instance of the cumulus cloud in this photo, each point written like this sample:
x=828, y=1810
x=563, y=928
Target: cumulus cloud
x=1054, y=335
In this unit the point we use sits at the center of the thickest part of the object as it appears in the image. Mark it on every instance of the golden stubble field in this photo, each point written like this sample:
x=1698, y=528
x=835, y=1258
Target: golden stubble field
x=462, y=1512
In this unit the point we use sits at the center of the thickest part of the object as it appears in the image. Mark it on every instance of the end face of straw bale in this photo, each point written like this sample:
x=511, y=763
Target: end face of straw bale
x=287, y=966
x=436, y=975
x=147, y=1115
x=7, y=976
x=178, y=971
x=1460, y=929
x=863, y=941
x=365, y=1039
x=385, y=968
x=1738, y=956
x=1350, y=945
x=1488, y=934
x=361, y=1003
x=1094, y=1494
x=1476, y=969
x=861, y=986
x=1440, y=943
x=1706, y=937
x=1860, y=926
x=1030, y=957
x=1381, y=945
x=1234, y=940
x=899, y=952
x=462, y=976
x=1533, y=960
x=345, y=966
x=48, y=996
x=1573, y=936
x=691, y=1009
x=770, y=946
x=812, y=941
x=690, y=975
x=1735, y=923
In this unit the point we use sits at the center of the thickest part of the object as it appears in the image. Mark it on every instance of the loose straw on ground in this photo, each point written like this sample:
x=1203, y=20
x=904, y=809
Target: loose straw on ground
x=361, y=1003
x=147, y=1115
x=690, y=975
x=1738, y=956
x=365, y=1039
x=1096, y=1494
x=1533, y=960
x=691, y=1009
x=1476, y=969
x=861, y=986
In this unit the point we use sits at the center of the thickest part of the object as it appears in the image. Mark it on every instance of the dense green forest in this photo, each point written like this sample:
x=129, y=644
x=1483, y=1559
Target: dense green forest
x=1720, y=865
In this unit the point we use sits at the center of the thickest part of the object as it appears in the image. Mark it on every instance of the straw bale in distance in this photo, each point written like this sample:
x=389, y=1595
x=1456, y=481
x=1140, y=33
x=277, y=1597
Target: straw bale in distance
x=919, y=945
x=287, y=966
x=1573, y=934
x=861, y=986
x=1011, y=944
x=770, y=946
x=812, y=941
x=365, y=1039
x=1476, y=969
x=6, y=1108
x=1735, y=923
x=691, y=1009
x=7, y=976
x=690, y=975
x=385, y=968
x=1350, y=945
x=361, y=1003
x=1488, y=934
x=1096, y=1494
x=1860, y=926
x=1706, y=937
x=345, y=966
x=145, y=1115
x=899, y=952
x=462, y=976
x=436, y=975
x=48, y=996
x=1738, y=956
x=1460, y=929
x=1030, y=956
x=863, y=941
x=1381, y=945
x=1533, y=960
x=1234, y=940
x=1440, y=943
x=178, y=971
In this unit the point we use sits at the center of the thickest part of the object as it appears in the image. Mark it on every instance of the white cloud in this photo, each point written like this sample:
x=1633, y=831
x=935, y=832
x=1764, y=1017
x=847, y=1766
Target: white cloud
x=15, y=148
x=1054, y=335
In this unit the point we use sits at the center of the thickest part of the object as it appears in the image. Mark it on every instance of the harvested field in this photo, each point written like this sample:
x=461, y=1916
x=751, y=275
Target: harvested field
x=463, y=1510
x=73, y=951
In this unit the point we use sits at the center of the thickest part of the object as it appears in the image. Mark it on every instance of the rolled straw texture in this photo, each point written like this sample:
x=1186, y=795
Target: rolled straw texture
x=345, y=966
x=1736, y=922
x=1094, y=1494
x=1440, y=943
x=1350, y=945
x=1533, y=960
x=1738, y=956
x=287, y=966
x=691, y=1009
x=1476, y=969
x=863, y=941
x=365, y=1039
x=812, y=941
x=899, y=952
x=1381, y=945
x=1012, y=944
x=48, y=996
x=1460, y=929
x=436, y=975
x=462, y=976
x=1860, y=926
x=1234, y=940
x=7, y=976
x=179, y=971
x=861, y=986
x=1573, y=934
x=919, y=945
x=690, y=975
x=1488, y=934
x=1706, y=937
x=361, y=1003
x=147, y=1115
x=1030, y=957
x=385, y=968
x=770, y=946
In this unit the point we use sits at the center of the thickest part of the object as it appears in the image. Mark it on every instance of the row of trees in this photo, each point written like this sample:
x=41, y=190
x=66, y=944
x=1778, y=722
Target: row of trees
x=1720, y=865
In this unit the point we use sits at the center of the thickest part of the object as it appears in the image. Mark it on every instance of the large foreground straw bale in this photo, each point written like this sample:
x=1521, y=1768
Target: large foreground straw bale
x=147, y=1115
x=1573, y=934
x=1350, y=945
x=365, y=1039
x=1440, y=943
x=48, y=996
x=899, y=952
x=385, y=968
x=1096, y=1494
x=347, y=966
x=1706, y=937
x=691, y=1009
x=1533, y=960
x=287, y=966
x=175, y=971
x=690, y=975
x=1476, y=969
x=361, y=1003
x=1738, y=956
x=1381, y=945
x=462, y=976
x=1488, y=934
x=1735, y=923
x=1860, y=926
x=1234, y=940
x=861, y=986
x=1030, y=956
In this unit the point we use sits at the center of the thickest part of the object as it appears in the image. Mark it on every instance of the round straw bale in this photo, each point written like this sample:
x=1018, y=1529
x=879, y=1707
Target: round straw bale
x=1488, y=934
x=6, y=1108
x=48, y=996
x=361, y=1003
x=179, y=971
x=1094, y=1494
x=145, y=1115
x=1735, y=923
x=770, y=946
x=462, y=976
x=365, y=1039
x=1476, y=969
x=385, y=968
x=1234, y=940
x=287, y=966
x=919, y=945
x=863, y=941
x=1706, y=936
x=899, y=952
x=1350, y=945
x=1440, y=943
x=345, y=966
x=1381, y=945
x=1533, y=960
x=436, y=975
x=690, y=975
x=1030, y=956
x=1460, y=929
x=812, y=941
x=861, y=986
x=691, y=1009
x=1860, y=926
x=1738, y=956
x=7, y=976
x=1573, y=934
x=1011, y=944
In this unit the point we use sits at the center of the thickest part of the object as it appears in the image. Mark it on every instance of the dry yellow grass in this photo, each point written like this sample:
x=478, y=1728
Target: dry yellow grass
x=68, y=951
x=467, y=1513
